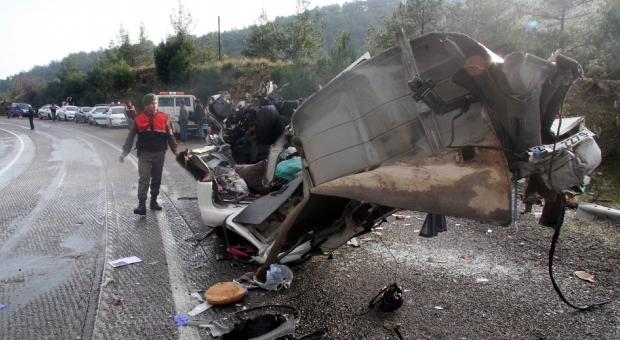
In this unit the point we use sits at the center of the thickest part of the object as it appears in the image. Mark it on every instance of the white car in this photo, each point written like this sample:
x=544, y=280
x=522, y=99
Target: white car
x=67, y=112
x=96, y=115
x=115, y=116
x=44, y=112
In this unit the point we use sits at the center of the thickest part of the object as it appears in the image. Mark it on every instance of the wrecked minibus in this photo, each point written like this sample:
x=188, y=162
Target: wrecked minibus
x=438, y=124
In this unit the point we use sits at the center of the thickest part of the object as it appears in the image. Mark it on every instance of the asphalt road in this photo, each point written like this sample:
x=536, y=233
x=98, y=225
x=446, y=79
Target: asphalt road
x=66, y=210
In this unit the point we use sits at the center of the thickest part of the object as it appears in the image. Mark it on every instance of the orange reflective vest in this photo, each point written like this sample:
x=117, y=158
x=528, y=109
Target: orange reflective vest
x=151, y=131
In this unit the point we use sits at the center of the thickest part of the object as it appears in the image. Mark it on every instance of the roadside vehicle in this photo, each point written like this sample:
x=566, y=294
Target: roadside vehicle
x=448, y=138
x=97, y=114
x=18, y=109
x=115, y=117
x=169, y=103
x=44, y=112
x=67, y=112
x=82, y=114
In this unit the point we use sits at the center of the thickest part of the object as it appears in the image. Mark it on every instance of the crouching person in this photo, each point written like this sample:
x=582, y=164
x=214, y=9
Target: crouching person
x=154, y=137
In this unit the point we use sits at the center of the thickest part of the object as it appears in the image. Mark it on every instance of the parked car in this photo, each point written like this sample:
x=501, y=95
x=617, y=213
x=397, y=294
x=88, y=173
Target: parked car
x=115, y=116
x=96, y=115
x=67, y=112
x=82, y=114
x=18, y=109
x=44, y=112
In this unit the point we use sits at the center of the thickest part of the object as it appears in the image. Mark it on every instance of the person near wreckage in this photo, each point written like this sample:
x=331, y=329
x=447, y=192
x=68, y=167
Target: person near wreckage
x=154, y=137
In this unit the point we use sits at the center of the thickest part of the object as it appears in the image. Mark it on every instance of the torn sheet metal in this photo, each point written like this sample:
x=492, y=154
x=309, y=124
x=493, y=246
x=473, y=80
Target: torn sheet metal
x=477, y=189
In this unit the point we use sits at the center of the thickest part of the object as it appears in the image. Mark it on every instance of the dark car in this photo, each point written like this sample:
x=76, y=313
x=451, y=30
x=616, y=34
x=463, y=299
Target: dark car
x=81, y=116
x=19, y=109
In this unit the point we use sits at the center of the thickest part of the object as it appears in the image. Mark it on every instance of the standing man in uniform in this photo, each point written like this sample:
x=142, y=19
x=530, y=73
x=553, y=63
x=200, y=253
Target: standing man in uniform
x=53, y=111
x=130, y=112
x=201, y=119
x=154, y=137
x=183, y=122
x=31, y=117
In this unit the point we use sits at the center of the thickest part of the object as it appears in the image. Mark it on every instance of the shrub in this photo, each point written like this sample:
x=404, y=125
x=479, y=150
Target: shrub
x=209, y=82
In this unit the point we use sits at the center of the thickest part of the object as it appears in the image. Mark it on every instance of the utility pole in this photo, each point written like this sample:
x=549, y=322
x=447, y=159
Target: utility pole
x=219, y=40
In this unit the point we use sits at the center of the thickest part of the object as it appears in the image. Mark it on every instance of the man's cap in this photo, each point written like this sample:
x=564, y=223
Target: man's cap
x=149, y=98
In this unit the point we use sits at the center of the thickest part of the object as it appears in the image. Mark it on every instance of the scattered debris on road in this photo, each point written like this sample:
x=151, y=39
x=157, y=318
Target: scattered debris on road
x=585, y=276
x=124, y=261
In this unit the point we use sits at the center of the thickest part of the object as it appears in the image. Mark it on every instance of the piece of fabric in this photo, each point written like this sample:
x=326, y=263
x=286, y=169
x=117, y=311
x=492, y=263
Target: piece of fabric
x=288, y=168
x=253, y=176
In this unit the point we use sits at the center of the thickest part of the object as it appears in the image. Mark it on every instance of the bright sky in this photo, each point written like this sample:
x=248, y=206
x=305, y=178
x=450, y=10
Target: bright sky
x=35, y=32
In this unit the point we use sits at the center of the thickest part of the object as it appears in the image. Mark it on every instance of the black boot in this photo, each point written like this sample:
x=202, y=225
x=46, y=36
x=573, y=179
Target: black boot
x=141, y=209
x=528, y=208
x=154, y=204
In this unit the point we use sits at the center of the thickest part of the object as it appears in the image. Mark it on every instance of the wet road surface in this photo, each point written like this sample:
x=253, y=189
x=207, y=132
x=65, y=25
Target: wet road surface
x=66, y=210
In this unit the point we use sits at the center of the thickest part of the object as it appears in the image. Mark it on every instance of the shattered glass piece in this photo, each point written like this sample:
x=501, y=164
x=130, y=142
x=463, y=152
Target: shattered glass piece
x=200, y=308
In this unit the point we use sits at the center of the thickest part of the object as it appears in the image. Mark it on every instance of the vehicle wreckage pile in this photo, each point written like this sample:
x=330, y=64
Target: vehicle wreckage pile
x=438, y=124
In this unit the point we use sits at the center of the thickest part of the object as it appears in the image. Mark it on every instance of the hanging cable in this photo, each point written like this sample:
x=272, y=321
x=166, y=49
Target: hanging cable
x=556, y=235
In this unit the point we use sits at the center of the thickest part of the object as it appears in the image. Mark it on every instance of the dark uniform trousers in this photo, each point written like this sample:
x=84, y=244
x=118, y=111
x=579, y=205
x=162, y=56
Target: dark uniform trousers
x=150, y=168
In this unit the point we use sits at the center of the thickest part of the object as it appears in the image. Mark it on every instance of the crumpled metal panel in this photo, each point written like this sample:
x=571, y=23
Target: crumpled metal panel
x=366, y=116
x=478, y=189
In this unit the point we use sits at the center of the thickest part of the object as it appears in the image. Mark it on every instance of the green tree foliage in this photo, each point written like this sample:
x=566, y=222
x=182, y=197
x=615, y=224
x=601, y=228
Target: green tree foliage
x=175, y=58
x=93, y=97
x=263, y=42
x=69, y=68
x=143, y=49
x=209, y=82
x=303, y=78
x=301, y=37
x=181, y=20
x=609, y=39
x=416, y=17
x=340, y=55
x=122, y=75
x=500, y=25
x=135, y=55
x=564, y=17
x=207, y=52
x=71, y=78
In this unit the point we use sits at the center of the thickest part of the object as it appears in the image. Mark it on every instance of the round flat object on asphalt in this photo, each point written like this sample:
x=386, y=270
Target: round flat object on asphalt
x=223, y=293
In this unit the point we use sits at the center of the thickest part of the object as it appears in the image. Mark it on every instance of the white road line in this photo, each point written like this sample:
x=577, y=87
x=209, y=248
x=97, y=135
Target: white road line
x=180, y=295
x=19, y=153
